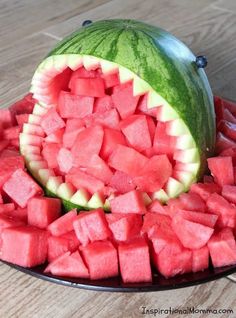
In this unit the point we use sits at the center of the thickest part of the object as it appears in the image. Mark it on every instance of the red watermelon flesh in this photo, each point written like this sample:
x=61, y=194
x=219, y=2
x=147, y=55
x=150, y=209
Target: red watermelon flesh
x=24, y=245
x=65, y=160
x=6, y=118
x=74, y=106
x=204, y=190
x=23, y=106
x=154, y=174
x=228, y=129
x=223, y=142
x=112, y=138
x=8, y=166
x=108, y=119
x=124, y=227
x=222, y=248
x=80, y=179
x=81, y=73
x=134, y=261
x=222, y=170
x=21, y=195
x=103, y=104
x=58, y=245
x=157, y=207
x=206, y=219
x=200, y=259
x=6, y=153
x=3, y=144
x=43, y=211
x=6, y=207
x=22, y=119
x=191, y=234
x=229, y=193
x=124, y=100
x=136, y=130
x=98, y=168
x=93, y=87
x=91, y=226
x=50, y=152
x=7, y=222
x=230, y=152
x=228, y=116
x=192, y=202
x=101, y=259
x=90, y=140
x=111, y=80
x=163, y=143
x=63, y=224
x=18, y=214
x=153, y=222
x=73, y=128
x=51, y=122
x=226, y=212
x=122, y=182
x=127, y=160
x=68, y=265
x=130, y=202
x=55, y=137
x=11, y=133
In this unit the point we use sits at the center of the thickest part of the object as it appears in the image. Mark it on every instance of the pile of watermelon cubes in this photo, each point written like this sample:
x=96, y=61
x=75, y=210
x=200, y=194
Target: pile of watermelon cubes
x=186, y=235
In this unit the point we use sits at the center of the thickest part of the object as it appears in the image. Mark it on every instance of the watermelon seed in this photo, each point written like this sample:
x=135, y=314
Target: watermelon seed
x=87, y=22
x=201, y=61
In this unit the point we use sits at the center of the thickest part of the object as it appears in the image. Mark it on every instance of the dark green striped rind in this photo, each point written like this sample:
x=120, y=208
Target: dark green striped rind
x=160, y=59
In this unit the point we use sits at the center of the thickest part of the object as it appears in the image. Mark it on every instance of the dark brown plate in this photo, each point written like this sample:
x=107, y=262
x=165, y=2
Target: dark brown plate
x=115, y=284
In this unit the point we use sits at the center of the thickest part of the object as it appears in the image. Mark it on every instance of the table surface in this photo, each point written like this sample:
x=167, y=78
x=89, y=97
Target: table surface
x=28, y=30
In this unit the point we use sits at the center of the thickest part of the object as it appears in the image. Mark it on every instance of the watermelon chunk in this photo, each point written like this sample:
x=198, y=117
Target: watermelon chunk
x=55, y=137
x=168, y=254
x=63, y=224
x=6, y=118
x=22, y=119
x=109, y=119
x=50, y=152
x=192, y=202
x=130, y=202
x=206, y=219
x=24, y=245
x=156, y=207
x=51, y=122
x=8, y=166
x=223, y=142
x=94, y=87
x=11, y=133
x=112, y=138
x=103, y=104
x=18, y=193
x=229, y=193
x=127, y=160
x=163, y=143
x=222, y=248
x=98, y=168
x=124, y=226
x=226, y=212
x=153, y=222
x=228, y=129
x=73, y=128
x=69, y=265
x=81, y=179
x=18, y=214
x=43, y=211
x=154, y=174
x=64, y=160
x=192, y=235
x=101, y=259
x=91, y=226
x=204, y=190
x=222, y=170
x=134, y=261
x=136, y=130
x=88, y=142
x=3, y=144
x=6, y=222
x=81, y=73
x=111, y=80
x=122, y=182
x=58, y=245
x=200, y=259
x=74, y=106
x=124, y=100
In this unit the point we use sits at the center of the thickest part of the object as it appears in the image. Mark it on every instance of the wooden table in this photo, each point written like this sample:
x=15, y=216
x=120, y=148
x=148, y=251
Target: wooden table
x=28, y=29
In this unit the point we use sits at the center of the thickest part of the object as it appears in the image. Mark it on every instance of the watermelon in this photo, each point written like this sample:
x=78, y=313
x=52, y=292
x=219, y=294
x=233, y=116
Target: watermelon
x=7, y=222
x=24, y=245
x=63, y=224
x=200, y=259
x=130, y=202
x=119, y=91
x=43, y=211
x=65, y=160
x=191, y=234
x=222, y=247
x=58, y=245
x=134, y=261
x=101, y=259
x=223, y=142
x=124, y=227
x=229, y=193
x=8, y=166
x=226, y=212
x=50, y=152
x=122, y=182
x=69, y=265
x=91, y=226
x=204, y=190
x=73, y=106
x=80, y=179
x=222, y=170
x=21, y=195
x=153, y=222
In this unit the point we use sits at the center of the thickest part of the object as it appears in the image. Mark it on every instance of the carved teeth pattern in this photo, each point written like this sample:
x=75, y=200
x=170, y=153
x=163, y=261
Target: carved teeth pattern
x=54, y=183
x=74, y=61
x=65, y=191
x=90, y=62
x=81, y=197
x=45, y=174
x=160, y=195
x=125, y=75
x=174, y=188
x=108, y=67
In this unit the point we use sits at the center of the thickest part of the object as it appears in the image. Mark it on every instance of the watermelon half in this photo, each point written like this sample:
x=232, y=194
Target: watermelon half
x=138, y=86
